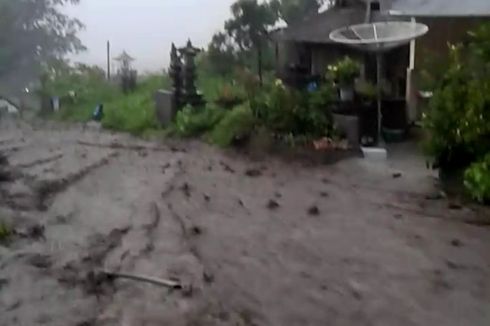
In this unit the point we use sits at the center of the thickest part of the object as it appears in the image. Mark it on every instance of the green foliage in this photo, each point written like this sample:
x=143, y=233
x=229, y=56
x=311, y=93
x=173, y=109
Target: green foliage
x=230, y=95
x=286, y=111
x=191, y=122
x=33, y=32
x=477, y=180
x=457, y=120
x=135, y=112
x=344, y=71
x=132, y=112
x=366, y=90
x=87, y=83
x=237, y=125
x=294, y=11
x=221, y=56
x=249, y=27
x=322, y=97
x=5, y=232
x=480, y=44
x=250, y=22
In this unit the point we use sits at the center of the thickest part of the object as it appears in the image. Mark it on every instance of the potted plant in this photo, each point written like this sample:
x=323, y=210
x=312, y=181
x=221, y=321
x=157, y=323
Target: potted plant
x=366, y=91
x=344, y=72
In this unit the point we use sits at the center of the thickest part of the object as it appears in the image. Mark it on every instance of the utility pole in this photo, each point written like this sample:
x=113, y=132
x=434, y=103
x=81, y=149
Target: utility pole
x=108, y=60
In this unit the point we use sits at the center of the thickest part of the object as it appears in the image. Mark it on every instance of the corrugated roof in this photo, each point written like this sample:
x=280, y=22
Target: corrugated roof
x=317, y=29
x=441, y=8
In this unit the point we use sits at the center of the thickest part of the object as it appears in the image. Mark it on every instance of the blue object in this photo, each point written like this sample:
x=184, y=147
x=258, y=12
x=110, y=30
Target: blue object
x=311, y=87
x=98, y=113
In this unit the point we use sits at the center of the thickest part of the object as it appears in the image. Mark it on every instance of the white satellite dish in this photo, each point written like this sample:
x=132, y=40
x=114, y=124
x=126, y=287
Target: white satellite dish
x=379, y=37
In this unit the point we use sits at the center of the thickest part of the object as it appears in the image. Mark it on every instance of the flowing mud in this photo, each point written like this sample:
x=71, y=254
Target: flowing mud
x=249, y=242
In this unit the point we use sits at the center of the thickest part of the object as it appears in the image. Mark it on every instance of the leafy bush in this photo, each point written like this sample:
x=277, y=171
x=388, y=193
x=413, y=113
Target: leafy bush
x=321, y=98
x=5, y=232
x=457, y=120
x=286, y=111
x=366, y=90
x=344, y=71
x=477, y=180
x=128, y=80
x=237, y=125
x=135, y=112
x=194, y=122
x=230, y=96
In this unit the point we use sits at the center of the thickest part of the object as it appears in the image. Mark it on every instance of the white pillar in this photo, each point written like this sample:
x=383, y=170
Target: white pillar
x=411, y=95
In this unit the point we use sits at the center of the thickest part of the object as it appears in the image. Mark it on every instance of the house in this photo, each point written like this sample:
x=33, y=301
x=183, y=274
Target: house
x=307, y=48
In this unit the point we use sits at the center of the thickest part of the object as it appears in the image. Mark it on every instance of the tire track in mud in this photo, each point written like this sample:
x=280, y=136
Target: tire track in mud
x=46, y=190
x=117, y=145
x=40, y=161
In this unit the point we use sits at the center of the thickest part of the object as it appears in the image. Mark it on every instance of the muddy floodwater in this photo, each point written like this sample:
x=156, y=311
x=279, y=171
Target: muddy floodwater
x=248, y=241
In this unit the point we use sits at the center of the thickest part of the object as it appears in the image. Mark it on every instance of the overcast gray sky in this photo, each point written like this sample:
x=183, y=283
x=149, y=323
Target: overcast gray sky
x=146, y=28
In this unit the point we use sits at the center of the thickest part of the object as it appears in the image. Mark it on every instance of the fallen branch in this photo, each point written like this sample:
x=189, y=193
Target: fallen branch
x=147, y=279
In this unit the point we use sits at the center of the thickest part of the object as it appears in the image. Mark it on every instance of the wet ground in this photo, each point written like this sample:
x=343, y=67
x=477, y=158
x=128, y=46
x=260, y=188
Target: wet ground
x=266, y=241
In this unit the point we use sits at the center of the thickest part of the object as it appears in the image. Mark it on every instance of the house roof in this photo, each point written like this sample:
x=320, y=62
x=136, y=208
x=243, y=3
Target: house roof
x=440, y=8
x=318, y=28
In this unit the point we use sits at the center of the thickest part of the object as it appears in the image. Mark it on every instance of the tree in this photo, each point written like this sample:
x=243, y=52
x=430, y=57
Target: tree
x=250, y=25
x=33, y=32
x=221, y=54
x=293, y=11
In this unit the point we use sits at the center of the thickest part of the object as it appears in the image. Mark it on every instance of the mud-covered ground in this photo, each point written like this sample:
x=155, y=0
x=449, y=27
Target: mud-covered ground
x=262, y=241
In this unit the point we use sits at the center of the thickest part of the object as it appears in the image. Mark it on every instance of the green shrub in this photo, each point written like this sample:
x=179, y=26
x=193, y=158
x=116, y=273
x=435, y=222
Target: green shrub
x=367, y=91
x=236, y=125
x=135, y=112
x=344, y=71
x=285, y=111
x=5, y=232
x=229, y=96
x=194, y=122
x=477, y=180
x=457, y=119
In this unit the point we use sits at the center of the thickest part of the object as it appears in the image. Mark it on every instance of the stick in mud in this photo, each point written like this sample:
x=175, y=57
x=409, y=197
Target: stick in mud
x=147, y=279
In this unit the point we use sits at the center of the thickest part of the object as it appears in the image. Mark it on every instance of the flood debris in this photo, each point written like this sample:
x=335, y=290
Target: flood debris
x=273, y=205
x=111, y=275
x=455, y=206
x=186, y=189
x=207, y=276
x=436, y=196
x=226, y=167
x=39, y=261
x=3, y=159
x=456, y=243
x=313, y=211
x=196, y=230
x=253, y=173
x=398, y=216
x=34, y=232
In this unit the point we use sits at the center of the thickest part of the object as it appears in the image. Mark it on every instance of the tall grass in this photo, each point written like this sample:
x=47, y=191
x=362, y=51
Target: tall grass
x=135, y=112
